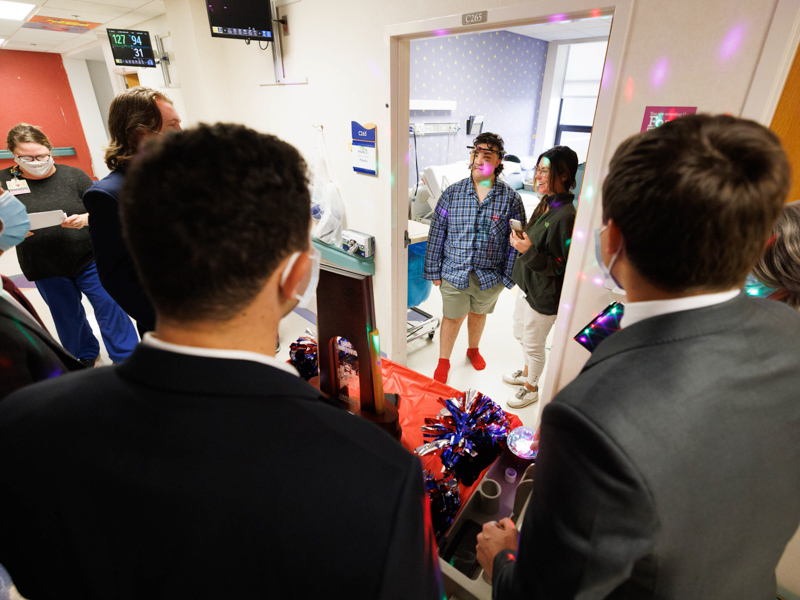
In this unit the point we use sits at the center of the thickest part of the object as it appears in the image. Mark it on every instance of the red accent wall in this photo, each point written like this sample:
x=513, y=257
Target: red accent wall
x=34, y=89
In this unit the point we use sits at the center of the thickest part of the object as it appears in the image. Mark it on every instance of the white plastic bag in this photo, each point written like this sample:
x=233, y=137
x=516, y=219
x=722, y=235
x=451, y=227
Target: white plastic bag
x=327, y=207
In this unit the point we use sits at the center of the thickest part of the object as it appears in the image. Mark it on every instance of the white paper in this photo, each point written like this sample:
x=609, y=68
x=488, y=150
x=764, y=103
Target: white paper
x=364, y=157
x=48, y=218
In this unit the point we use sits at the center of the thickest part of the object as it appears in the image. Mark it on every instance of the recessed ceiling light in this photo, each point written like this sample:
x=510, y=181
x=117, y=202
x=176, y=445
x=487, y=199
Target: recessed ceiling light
x=15, y=11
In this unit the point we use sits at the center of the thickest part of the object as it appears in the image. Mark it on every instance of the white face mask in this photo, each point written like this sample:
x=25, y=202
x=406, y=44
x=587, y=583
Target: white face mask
x=304, y=298
x=605, y=269
x=36, y=168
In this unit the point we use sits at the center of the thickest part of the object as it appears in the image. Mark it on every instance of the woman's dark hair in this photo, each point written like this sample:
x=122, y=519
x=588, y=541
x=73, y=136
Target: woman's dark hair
x=563, y=167
x=779, y=267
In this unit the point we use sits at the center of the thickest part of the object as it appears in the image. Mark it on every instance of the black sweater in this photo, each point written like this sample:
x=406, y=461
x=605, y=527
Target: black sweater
x=539, y=272
x=54, y=251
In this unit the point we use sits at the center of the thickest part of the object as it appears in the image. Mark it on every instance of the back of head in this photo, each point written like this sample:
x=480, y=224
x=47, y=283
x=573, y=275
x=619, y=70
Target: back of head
x=24, y=133
x=208, y=214
x=132, y=114
x=696, y=199
x=779, y=267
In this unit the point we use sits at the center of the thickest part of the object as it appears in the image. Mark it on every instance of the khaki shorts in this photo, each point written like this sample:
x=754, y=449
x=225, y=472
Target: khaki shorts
x=457, y=303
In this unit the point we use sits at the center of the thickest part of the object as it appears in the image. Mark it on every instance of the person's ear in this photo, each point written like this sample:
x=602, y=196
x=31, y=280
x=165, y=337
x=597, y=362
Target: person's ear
x=295, y=271
x=614, y=239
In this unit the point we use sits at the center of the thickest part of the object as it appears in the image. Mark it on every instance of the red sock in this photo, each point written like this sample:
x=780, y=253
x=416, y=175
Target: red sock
x=476, y=359
x=442, y=369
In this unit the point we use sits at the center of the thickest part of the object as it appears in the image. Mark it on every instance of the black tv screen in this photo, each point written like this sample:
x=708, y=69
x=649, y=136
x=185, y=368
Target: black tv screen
x=240, y=19
x=131, y=48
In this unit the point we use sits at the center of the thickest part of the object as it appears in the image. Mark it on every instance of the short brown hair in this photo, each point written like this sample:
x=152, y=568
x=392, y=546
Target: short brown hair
x=696, y=199
x=779, y=267
x=203, y=252
x=23, y=133
x=132, y=114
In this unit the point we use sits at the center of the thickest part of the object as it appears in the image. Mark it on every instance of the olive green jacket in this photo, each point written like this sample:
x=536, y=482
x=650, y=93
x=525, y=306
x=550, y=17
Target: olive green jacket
x=539, y=272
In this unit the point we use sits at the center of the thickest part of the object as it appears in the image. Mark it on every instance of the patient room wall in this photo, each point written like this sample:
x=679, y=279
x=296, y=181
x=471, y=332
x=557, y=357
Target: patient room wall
x=672, y=57
x=498, y=75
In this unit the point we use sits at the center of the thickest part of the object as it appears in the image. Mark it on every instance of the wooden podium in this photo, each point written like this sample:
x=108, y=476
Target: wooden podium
x=346, y=308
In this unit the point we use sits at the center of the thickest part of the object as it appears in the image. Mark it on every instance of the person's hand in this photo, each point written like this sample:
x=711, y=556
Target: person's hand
x=76, y=221
x=437, y=282
x=520, y=244
x=494, y=538
x=535, y=444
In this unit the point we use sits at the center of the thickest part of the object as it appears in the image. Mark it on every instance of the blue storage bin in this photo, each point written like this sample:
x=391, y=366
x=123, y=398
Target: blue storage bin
x=418, y=288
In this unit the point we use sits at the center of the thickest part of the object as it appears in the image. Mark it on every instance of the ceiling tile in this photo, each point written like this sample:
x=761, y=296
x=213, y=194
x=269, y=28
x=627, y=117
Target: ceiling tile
x=42, y=36
x=88, y=7
x=8, y=27
x=129, y=4
x=63, y=13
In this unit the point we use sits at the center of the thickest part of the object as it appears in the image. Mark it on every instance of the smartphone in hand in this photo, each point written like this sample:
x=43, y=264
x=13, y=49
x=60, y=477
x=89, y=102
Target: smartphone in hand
x=516, y=226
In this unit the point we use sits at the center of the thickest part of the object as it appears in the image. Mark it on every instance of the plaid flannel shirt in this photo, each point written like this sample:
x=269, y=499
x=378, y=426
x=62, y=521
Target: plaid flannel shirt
x=466, y=235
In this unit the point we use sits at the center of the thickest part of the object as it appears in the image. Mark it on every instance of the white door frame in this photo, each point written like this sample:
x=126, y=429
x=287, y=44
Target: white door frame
x=399, y=38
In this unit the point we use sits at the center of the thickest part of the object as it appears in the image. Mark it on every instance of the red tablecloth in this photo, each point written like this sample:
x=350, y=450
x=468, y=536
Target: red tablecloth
x=419, y=398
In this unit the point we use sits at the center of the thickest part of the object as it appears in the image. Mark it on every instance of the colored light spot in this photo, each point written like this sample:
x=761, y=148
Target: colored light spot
x=440, y=32
x=597, y=281
x=587, y=195
x=582, y=276
x=579, y=235
x=659, y=73
x=596, y=13
x=629, y=89
x=608, y=74
x=731, y=42
x=558, y=18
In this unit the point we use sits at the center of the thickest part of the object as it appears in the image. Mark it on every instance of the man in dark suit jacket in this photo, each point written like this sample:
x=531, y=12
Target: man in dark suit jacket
x=670, y=468
x=134, y=115
x=203, y=467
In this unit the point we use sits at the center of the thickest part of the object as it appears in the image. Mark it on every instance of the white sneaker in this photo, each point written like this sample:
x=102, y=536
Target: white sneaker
x=523, y=398
x=515, y=378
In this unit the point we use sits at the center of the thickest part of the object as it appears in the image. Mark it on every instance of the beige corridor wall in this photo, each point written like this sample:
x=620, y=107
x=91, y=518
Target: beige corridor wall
x=673, y=57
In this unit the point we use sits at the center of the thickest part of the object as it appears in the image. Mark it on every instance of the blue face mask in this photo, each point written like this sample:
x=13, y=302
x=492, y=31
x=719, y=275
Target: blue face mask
x=610, y=280
x=14, y=220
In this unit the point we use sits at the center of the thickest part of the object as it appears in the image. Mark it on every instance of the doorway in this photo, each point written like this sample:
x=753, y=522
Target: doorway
x=408, y=44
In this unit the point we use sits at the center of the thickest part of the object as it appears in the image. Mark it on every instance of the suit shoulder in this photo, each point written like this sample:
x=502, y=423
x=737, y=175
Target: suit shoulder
x=110, y=184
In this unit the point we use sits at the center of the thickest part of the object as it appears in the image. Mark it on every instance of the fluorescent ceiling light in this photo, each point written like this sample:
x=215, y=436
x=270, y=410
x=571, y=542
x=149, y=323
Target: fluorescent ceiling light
x=15, y=11
x=2, y=41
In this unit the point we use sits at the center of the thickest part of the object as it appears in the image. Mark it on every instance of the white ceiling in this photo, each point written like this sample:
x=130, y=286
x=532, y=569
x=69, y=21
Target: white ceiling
x=566, y=30
x=114, y=14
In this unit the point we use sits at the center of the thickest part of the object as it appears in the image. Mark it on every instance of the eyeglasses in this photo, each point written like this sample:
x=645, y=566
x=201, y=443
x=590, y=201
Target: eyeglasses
x=542, y=172
x=27, y=159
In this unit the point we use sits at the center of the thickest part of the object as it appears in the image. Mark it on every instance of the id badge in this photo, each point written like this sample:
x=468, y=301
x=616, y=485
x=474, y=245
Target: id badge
x=18, y=186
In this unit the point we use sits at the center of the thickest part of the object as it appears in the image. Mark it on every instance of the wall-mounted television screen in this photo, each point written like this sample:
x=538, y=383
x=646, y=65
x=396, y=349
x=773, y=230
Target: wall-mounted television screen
x=131, y=48
x=240, y=19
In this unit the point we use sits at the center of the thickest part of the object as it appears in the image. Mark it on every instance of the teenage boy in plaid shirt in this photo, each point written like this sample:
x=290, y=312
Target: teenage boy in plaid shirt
x=468, y=256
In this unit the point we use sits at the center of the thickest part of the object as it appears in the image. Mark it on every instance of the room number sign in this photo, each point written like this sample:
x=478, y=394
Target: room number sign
x=474, y=18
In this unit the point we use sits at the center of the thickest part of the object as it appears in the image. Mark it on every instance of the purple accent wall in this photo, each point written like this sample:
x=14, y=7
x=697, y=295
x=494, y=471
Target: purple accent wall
x=498, y=75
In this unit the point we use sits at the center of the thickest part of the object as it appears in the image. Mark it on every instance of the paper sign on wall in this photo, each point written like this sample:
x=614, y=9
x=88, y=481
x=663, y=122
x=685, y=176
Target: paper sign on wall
x=656, y=116
x=364, y=148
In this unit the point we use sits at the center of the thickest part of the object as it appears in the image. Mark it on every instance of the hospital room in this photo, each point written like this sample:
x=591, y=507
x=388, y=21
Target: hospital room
x=440, y=151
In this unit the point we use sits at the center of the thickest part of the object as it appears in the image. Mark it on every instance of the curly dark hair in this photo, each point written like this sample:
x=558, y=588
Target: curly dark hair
x=209, y=213
x=696, y=200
